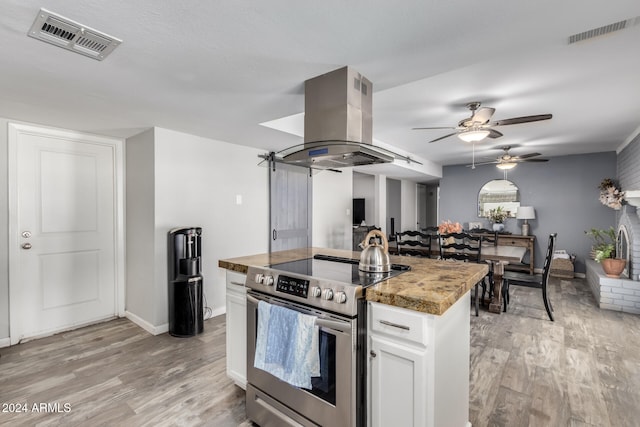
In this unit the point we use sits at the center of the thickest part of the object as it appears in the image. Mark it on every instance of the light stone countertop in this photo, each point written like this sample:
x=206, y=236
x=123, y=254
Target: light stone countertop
x=431, y=286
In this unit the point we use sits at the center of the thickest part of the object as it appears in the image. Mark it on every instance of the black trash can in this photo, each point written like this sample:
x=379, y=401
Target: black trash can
x=185, y=282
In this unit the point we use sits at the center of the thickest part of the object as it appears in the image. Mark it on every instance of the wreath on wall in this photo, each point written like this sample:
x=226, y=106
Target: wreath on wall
x=611, y=194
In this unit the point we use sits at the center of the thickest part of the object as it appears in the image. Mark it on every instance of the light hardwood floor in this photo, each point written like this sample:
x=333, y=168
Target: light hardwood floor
x=582, y=370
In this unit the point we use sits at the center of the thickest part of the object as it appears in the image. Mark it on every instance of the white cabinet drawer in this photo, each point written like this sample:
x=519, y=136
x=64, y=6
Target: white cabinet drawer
x=234, y=278
x=398, y=323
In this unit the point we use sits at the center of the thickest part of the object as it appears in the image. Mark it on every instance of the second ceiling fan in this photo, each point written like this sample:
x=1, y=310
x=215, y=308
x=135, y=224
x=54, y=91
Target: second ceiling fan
x=507, y=161
x=477, y=127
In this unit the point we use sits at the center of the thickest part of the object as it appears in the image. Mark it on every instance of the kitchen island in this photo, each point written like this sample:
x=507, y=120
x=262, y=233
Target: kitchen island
x=431, y=286
x=418, y=336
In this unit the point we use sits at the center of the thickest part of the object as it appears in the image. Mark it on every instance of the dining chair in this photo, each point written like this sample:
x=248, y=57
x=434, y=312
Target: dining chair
x=433, y=230
x=533, y=281
x=489, y=238
x=464, y=247
x=414, y=243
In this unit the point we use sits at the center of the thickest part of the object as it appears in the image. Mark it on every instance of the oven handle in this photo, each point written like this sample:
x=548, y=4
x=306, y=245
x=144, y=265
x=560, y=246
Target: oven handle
x=323, y=323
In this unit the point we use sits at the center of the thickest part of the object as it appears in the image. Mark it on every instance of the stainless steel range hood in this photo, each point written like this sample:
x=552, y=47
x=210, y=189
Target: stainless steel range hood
x=337, y=124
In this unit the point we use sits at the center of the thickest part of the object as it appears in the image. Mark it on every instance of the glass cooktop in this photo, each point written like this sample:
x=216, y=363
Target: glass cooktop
x=344, y=270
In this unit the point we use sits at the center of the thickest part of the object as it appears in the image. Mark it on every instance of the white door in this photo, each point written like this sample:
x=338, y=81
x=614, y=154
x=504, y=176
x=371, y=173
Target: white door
x=290, y=199
x=64, y=199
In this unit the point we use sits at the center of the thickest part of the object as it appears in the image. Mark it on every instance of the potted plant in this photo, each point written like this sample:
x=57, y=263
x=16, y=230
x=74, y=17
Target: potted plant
x=604, y=251
x=497, y=216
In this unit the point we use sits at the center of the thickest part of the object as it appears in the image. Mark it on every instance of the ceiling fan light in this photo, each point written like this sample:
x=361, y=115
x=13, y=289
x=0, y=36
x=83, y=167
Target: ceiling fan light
x=506, y=165
x=473, y=135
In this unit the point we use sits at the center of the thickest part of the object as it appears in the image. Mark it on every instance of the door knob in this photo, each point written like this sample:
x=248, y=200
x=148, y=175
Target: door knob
x=26, y=234
x=26, y=246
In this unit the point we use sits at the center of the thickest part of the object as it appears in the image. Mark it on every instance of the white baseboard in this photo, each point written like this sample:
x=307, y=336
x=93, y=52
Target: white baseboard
x=5, y=342
x=153, y=330
x=218, y=312
x=157, y=330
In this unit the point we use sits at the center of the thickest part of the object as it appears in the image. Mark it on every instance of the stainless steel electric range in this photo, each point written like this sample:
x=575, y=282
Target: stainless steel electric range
x=331, y=289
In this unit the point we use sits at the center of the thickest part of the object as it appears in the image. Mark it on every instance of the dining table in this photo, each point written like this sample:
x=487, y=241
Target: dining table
x=497, y=256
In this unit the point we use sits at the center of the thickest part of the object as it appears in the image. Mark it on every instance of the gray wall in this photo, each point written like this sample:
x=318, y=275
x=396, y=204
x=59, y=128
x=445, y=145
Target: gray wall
x=563, y=191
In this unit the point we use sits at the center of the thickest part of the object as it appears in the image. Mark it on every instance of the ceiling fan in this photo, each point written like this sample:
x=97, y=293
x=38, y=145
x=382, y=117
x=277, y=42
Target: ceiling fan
x=478, y=127
x=507, y=161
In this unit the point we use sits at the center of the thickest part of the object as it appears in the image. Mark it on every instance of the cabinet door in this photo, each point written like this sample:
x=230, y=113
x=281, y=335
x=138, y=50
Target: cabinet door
x=398, y=386
x=237, y=334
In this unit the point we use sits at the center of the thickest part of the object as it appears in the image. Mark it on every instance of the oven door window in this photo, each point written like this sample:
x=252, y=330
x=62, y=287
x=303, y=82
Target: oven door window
x=324, y=386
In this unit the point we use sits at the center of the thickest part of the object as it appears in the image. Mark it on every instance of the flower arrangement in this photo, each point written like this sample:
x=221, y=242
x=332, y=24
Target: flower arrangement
x=447, y=227
x=498, y=215
x=610, y=194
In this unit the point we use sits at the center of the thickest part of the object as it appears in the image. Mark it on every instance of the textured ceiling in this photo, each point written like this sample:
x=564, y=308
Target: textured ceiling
x=219, y=69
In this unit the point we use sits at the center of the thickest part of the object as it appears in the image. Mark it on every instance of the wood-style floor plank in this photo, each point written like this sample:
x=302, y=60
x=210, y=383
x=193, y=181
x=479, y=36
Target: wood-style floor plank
x=581, y=370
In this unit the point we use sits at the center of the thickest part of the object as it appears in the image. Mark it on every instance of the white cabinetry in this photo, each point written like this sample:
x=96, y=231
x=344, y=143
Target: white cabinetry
x=418, y=366
x=237, y=328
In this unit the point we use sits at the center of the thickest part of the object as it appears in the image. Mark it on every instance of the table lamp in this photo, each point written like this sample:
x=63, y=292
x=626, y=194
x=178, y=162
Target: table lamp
x=526, y=213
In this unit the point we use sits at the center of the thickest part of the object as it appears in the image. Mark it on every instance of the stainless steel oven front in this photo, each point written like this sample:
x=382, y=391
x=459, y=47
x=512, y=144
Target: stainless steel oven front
x=335, y=397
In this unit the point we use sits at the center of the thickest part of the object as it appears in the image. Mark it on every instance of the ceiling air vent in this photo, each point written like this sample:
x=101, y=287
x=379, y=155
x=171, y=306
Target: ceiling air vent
x=67, y=34
x=601, y=31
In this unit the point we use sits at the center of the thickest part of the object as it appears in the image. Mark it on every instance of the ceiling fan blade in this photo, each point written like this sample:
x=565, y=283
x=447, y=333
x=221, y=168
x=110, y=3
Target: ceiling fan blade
x=526, y=156
x=439, y=127
x=482, y=115
x=533, y=160
x=524, y=119
x=443, y=137
x=494, y=134
x=493, y=162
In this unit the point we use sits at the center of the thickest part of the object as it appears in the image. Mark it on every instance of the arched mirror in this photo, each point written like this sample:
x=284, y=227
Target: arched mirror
x=499, y=192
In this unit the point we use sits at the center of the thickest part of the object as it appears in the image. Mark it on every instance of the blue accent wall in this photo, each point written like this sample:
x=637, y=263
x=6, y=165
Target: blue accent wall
x=563, y=191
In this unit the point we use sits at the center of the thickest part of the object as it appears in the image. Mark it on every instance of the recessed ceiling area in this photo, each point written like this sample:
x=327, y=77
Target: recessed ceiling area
x=221, y=69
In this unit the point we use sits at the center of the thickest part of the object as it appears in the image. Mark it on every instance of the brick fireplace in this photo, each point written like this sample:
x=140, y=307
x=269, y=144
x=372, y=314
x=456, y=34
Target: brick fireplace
x=621, y=294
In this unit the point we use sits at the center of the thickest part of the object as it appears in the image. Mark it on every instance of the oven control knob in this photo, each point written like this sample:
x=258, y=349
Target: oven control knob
x=267, y=280
x=328, y=294
x=341, y=297
x=316, y=292
x=259, y=278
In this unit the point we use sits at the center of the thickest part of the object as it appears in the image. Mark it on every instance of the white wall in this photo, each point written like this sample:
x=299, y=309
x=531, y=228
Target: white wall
x=332, y=204
x=4, y=234
x=380, y=182
x=195, y=183
x=409, y=205
x=394, y=208
x=364, y=188
x=140, y=238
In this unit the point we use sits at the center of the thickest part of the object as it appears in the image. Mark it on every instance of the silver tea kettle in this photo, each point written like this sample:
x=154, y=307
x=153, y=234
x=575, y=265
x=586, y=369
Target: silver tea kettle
x=375, y=256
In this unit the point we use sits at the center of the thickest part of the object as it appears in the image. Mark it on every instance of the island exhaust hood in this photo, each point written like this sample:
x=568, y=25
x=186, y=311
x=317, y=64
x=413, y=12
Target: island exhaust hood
x=337, y=123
